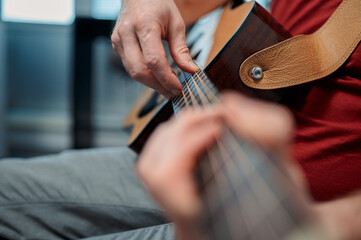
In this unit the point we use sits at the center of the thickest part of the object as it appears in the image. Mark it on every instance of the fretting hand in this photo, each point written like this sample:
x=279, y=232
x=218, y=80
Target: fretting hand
x=167, y=162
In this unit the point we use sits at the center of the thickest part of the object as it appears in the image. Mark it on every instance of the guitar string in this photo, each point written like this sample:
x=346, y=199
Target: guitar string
x=178, y=100
x=262, y=194
x=266, y=187
x=212, y=160
x=231, y=218
x=211, y=153
x=231, y=175
x=278, y=170
x=199, y=90
x=193, y=101
x=247, y=199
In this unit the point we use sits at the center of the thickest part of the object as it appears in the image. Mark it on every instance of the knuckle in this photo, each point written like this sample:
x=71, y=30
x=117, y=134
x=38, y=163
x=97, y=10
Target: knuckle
x=136, y=75
x=153, y=61
x=146, y=26
x=148, y=31
x=121, y=30
x=141, y=21
x=115, y=39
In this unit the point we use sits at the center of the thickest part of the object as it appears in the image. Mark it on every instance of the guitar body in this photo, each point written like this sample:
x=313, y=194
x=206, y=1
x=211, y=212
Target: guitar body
x=241, y=32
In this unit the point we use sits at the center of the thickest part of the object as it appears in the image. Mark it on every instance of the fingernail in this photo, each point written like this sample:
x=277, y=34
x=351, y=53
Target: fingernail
x=194, y=66
x=176, y=92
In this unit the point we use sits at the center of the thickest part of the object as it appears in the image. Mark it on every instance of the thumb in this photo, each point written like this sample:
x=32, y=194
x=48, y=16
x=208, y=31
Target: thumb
x=178, y=47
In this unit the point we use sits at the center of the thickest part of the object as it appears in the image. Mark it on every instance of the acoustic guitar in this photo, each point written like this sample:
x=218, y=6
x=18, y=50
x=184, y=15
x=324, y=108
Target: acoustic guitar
x=246, y=191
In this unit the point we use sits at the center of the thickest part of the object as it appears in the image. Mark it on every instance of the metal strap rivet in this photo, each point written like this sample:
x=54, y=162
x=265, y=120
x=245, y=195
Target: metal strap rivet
x=257, y=73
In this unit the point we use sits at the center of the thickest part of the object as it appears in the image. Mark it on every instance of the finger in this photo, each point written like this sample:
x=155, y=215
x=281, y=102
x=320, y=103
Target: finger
x=155, y=58
x=179, y=192
x=178, y=129
x=268, y=124
x=171, y=181
x=116, y=43
x=137, y=68
x=126, y=45
x=178, y=47
x=192, y=125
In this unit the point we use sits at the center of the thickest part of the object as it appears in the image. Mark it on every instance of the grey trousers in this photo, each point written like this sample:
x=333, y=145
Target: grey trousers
x=88, y=194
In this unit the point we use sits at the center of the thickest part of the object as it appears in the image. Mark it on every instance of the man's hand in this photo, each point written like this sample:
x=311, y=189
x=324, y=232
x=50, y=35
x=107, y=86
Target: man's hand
x=167, y=162
x=141, y=26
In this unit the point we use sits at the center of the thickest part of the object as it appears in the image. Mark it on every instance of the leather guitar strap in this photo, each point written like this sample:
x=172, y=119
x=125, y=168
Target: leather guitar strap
x=306, y=58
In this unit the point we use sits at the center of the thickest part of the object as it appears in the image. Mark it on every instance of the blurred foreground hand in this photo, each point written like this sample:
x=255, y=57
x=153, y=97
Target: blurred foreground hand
x=168, y=160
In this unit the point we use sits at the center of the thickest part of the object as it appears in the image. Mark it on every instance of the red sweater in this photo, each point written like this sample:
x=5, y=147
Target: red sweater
x=328, y=135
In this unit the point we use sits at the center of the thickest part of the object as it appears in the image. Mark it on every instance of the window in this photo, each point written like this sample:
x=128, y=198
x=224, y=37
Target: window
x=38, y=11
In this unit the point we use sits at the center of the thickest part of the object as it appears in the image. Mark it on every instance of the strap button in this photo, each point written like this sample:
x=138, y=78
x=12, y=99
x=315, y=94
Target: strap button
x=257, y=73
